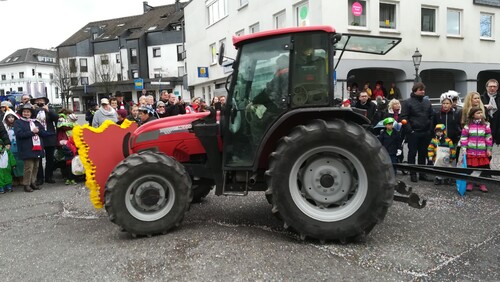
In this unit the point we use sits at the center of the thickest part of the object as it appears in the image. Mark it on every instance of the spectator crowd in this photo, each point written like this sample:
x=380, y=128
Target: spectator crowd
x=35, y=140
x=435, y=136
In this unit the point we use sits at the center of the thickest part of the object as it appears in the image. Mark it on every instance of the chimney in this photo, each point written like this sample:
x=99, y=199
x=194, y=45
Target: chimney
x=146, y=7
x=177, y=5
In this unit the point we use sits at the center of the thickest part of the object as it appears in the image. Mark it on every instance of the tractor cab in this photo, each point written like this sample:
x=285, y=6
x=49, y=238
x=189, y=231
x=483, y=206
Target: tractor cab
x=280, y=76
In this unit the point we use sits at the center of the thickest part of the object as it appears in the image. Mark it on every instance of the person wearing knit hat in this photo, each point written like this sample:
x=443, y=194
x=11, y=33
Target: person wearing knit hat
x=391, y=140
x=441, y=151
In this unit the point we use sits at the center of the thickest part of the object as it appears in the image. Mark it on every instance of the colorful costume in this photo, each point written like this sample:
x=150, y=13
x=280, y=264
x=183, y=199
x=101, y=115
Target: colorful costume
x=7, y=162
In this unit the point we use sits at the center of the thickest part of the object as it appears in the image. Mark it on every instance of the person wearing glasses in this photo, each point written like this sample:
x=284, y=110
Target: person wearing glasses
x=491, y=103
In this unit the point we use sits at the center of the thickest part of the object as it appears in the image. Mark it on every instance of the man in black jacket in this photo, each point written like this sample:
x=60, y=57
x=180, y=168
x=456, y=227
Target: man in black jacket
x=175, y=106
x=365, y=103
x=418, y=112
x=491, y=101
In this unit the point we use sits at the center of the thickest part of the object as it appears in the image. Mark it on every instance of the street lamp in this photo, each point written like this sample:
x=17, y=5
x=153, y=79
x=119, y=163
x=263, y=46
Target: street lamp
x=417, y=58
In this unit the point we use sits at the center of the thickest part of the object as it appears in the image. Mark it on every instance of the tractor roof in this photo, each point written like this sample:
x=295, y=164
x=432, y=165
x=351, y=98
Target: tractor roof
x=237, y=40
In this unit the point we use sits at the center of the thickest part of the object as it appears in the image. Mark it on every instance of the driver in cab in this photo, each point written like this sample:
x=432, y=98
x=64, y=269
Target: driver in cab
x=274, y=96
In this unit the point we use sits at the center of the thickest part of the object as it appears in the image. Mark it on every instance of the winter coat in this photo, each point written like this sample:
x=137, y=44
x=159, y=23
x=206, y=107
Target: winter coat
x=495, y=119
x=476, y=138
x=11, y=138
x=102, y=115
x=4, y=135
x=390, y=142
x=418, y=113
x=451, y=120
x=173, y=110
x=441, y=142
x=370, y=108
x=24, y=139
x=50, y=126
x=7, y=162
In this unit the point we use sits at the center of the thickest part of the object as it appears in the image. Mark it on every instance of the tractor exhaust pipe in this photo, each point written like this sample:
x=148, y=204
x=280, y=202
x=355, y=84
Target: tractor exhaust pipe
x=252, y=180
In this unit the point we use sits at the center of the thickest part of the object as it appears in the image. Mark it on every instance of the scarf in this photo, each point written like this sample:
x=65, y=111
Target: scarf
x=42, y=118
x=492, y=103
x=396, y=115
x=37, y=145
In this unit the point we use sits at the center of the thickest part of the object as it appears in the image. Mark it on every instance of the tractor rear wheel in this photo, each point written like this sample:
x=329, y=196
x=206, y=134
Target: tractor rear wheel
x=148, y=193
x=331, y=180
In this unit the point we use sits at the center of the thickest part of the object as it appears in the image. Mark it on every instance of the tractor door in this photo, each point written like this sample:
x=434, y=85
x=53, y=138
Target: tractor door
x=260, y=95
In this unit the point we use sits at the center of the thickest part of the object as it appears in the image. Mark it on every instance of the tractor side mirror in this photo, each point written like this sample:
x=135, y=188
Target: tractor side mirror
x=221, y=53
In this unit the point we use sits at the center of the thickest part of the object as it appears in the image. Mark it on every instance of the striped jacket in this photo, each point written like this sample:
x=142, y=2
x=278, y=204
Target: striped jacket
x=442, y=142
x=476, y=137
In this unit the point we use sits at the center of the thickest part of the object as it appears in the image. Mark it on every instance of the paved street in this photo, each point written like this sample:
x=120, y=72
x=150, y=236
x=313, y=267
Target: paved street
x=55, y=234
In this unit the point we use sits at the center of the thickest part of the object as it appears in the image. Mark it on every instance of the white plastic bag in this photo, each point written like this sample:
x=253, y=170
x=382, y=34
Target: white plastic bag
x=442, y=156
x=77, y=166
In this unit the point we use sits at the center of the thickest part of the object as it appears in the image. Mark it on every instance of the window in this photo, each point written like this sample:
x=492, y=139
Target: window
x=180, y=71
x=217, y=9
x=21, y=74
x=135, y=73
x=51, y=76
x=240, y=32
x=157, y=75
x=486, y=25
x=4, y=77
x=133, y=56
x=8, y=60
x=243, y=3
x=74, y=81
x=84, y=81
x=19, y=89
x=83, y=65
x=181, y=55
x=39, y=75
x=2, y=92
x=156, y=52
x=72, y=65
x=357, y=13
x=15, y=59
x=279, y=20
x=105, y=77
x=453, y=22
x=118, y=58
x=254, y=28
x=428, y=20
x=213, y=54
x=387, y=16
x=302, y=14
x=119, y=77
x=104, y=60
x=57, y=92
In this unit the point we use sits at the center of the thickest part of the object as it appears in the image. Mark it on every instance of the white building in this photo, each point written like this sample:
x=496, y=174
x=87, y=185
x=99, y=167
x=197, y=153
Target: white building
x=30, y=71
x=456, y=38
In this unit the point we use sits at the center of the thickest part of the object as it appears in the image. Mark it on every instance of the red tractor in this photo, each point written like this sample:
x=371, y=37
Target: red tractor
x=282, y=131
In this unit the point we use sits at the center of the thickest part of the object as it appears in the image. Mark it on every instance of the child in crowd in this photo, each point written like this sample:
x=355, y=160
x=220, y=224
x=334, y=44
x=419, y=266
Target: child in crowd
x=477, y=140
x=8, y=122
x=390, y=139
x=439, y=142
x=69, y=152
x=7, y=163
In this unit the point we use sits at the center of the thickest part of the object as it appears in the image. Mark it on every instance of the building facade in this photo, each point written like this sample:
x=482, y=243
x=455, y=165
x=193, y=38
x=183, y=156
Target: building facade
x=30, y=71
x=457, y=39
x=127, y=55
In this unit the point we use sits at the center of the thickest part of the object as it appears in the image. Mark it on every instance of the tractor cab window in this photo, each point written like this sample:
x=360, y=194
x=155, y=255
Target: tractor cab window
x=309, y=70
x=260, y=96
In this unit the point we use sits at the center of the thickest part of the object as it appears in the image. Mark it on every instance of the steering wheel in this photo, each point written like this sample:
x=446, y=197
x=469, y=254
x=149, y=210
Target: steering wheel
x=310, y=93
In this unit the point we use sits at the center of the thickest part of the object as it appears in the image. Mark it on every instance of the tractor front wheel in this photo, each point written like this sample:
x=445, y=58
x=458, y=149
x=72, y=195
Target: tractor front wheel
x=331, y=180
x=148, y=193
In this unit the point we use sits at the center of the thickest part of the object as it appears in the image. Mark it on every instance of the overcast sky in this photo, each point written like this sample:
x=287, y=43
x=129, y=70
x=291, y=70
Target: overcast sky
x=47, y=23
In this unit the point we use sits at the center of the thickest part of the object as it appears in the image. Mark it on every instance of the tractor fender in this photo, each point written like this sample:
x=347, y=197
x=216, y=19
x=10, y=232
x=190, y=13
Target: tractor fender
x=295, y=117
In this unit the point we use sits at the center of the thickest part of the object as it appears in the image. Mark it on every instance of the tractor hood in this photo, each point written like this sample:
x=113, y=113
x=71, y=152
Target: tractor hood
x=174, y=124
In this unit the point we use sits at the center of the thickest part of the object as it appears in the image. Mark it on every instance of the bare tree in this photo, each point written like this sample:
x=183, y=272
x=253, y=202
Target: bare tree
x=62, y=78
x=106, y=75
